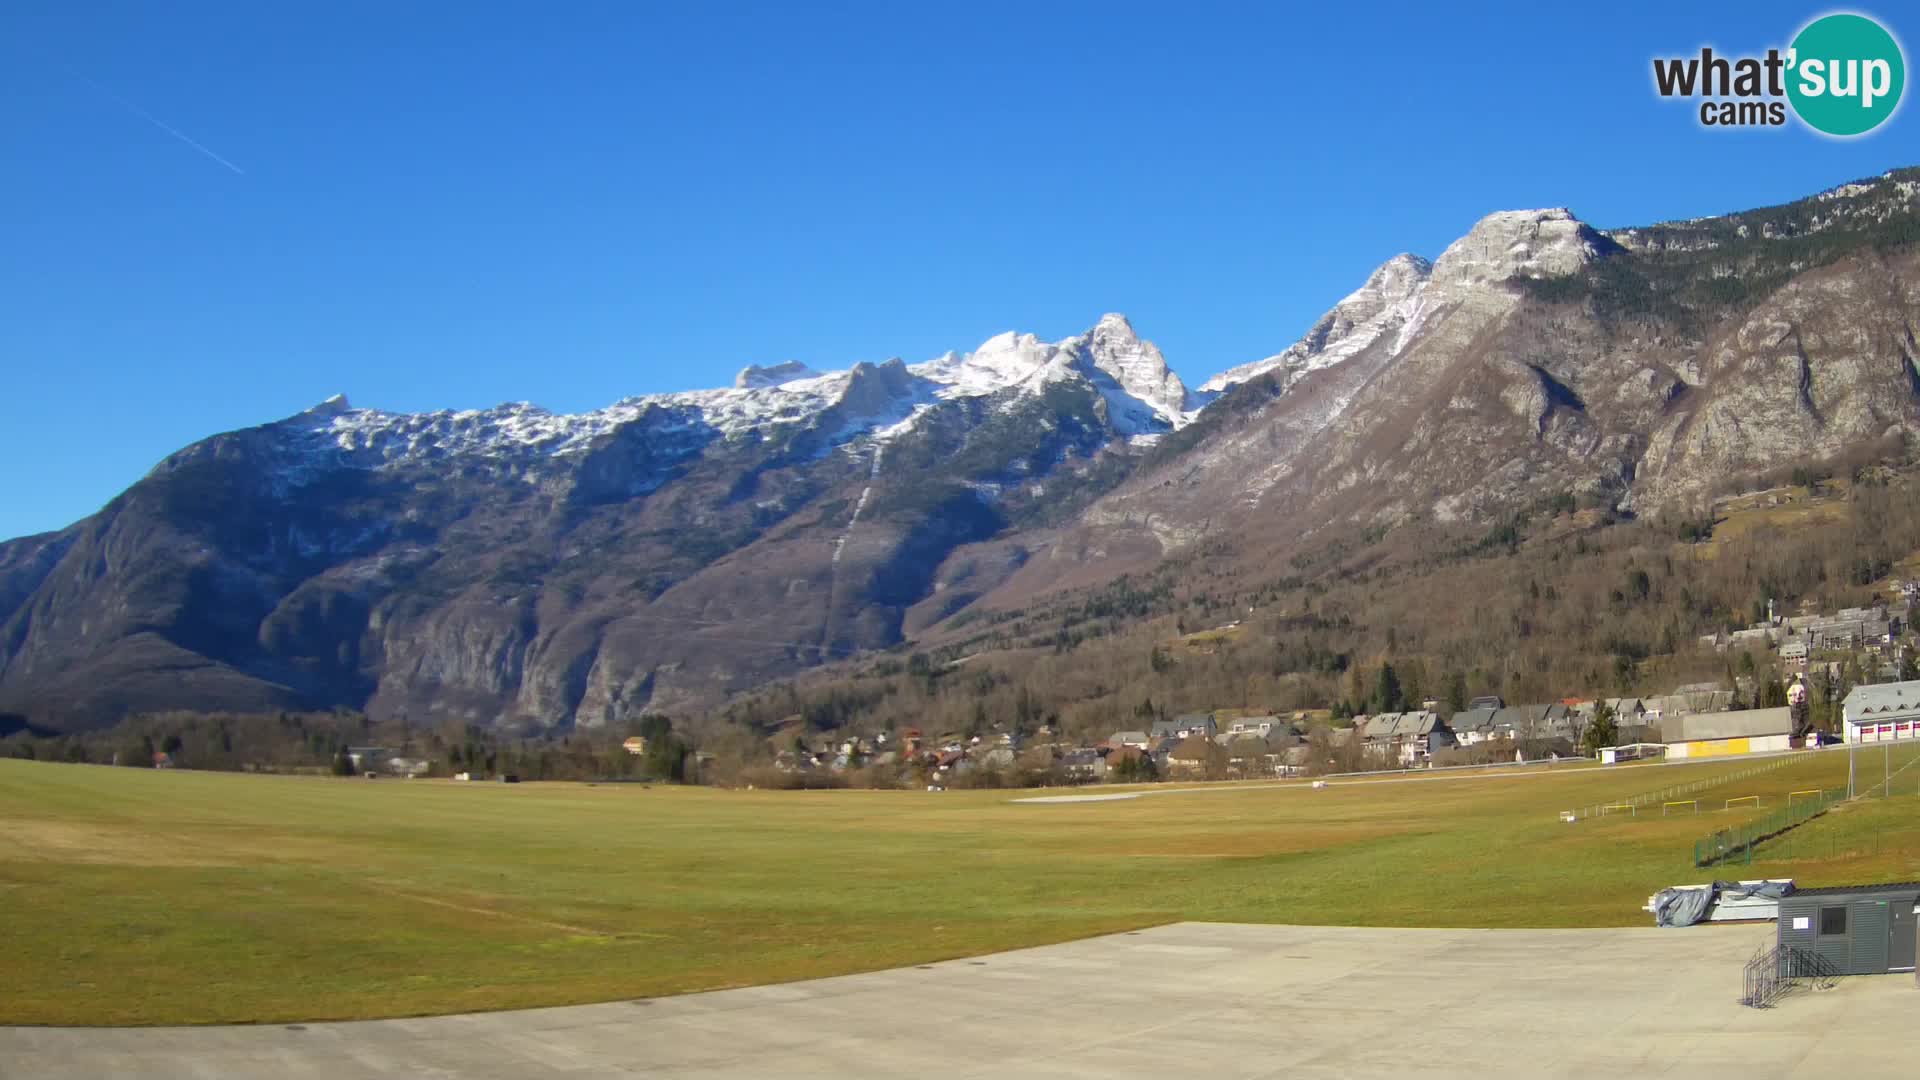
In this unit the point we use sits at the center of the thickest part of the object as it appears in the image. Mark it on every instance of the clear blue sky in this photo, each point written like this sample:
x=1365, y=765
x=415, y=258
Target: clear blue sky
x=453, y=205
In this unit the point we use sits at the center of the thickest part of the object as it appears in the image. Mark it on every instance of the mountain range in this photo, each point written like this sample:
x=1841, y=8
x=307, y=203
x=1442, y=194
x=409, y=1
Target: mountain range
x=512, y=565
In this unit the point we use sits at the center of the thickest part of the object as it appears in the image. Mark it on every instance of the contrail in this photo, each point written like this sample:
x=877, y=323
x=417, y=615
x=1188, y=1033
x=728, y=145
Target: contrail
x=159, y=123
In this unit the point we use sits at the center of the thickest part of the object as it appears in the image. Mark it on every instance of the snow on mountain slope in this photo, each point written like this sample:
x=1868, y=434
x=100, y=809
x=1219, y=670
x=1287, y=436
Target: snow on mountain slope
x=1399, y=295
x=1143, y=395
x=1388, y=301
x=754, y=376
x=1002, y=361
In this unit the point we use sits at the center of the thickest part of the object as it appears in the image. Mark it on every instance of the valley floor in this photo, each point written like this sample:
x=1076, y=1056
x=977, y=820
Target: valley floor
x=138, y=896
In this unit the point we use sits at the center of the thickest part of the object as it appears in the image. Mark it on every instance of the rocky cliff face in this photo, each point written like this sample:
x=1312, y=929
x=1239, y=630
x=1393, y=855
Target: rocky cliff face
x=511, y=564
x=1539, y=356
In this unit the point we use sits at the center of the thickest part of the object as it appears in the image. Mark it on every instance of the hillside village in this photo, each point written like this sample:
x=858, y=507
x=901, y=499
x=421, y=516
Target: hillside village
x=1856, y=670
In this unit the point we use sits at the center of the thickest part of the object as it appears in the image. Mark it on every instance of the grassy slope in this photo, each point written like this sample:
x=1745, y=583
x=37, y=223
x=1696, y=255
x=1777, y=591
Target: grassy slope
x=175, y=897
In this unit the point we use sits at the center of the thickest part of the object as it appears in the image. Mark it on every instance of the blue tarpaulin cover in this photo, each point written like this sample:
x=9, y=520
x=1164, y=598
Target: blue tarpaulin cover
x=1684, y=906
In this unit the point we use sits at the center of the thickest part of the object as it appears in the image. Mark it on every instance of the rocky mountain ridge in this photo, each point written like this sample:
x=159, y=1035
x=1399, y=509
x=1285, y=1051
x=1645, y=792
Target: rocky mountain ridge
x=513, y=565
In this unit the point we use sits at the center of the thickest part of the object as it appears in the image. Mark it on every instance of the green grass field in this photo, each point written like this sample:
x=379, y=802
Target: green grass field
x=135, y=896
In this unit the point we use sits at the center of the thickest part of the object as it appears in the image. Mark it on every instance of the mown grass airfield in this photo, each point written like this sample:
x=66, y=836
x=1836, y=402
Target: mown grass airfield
x=148, y=897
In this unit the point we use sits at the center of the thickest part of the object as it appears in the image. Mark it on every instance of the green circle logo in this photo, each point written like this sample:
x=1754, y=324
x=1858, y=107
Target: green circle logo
x=1846, y=74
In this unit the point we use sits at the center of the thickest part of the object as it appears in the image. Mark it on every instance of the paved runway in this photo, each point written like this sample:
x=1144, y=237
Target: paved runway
x=1190, y=999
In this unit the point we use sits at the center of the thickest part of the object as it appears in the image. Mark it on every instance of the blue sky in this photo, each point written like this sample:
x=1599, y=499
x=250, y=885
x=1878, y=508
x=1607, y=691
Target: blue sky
x=453, y=205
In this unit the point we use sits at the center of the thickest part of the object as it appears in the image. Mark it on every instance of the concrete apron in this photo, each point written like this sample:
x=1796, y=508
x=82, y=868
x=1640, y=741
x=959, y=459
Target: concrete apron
x=1223, y=1000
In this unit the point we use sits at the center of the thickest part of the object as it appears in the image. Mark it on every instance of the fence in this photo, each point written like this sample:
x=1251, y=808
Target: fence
x=1738, y=842
x=1776, y=969
x=1679, y=792
x=1837, y=842
x=1888, y=772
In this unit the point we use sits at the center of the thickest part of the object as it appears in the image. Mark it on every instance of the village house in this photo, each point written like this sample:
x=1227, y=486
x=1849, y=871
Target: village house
x=1258, y=725
x=1118, y=758
x=1853, y=628
x=1409, y=737
x=1534, y=722
x=1580, y=712
x=1423, y=734
x=1200, y=724
x=1195, y=758
x=1138, y=739
x=1252, y=753
x=1295, y=760
x=1377, y=731
x=1159, y=753
x=1472, y=726
x=1249, y=755
x=1628, y=712
x=1882, y=712
x=1084, y=765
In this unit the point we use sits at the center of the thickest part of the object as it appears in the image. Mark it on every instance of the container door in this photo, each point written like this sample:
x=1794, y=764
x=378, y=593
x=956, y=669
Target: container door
x=1900, y=943
x=1872, y=930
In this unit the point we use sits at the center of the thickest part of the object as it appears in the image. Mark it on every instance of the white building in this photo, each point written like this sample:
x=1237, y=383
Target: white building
x=1881, y=713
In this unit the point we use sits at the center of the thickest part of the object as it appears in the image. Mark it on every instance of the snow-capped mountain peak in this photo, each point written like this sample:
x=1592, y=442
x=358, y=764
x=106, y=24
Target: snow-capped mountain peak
x=756, y=377
x=1387, y=301
x=1144, y=394
x=1003, y=360
x=881, y=400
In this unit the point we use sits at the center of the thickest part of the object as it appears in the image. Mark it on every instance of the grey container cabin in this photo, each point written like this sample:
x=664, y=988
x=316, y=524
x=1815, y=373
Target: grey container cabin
x=1859, y=929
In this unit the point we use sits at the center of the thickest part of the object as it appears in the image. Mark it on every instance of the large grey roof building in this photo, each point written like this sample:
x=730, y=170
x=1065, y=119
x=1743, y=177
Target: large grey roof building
x=1882, y=712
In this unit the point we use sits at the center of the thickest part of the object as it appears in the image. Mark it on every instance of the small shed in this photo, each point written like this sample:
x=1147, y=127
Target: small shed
x=1859, y=929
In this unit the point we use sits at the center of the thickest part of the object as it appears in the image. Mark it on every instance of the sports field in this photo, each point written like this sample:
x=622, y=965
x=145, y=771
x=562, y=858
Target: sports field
x=136, y=896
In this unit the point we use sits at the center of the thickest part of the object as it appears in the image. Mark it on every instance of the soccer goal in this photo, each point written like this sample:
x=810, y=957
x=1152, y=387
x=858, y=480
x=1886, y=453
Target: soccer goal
x=1692, y=806
x=1792, y=795
x=1747, y=800
x=1611, y=807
